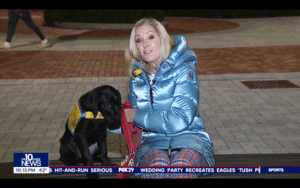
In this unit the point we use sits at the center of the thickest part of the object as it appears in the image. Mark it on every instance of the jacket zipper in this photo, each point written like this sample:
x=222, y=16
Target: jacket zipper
x=151, y=89
x=169, y=150
x=151, y=93
x=151, y=96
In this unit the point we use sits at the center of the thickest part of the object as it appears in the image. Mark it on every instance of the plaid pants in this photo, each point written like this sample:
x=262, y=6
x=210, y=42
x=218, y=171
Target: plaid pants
x=183, y=157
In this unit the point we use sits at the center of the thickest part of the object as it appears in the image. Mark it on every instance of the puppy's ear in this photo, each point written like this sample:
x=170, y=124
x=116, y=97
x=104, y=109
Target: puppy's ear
x=99, y=99
x=95, y=106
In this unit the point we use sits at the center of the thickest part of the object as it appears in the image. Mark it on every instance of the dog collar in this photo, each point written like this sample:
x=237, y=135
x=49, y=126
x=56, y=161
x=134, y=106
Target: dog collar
x=77, y=114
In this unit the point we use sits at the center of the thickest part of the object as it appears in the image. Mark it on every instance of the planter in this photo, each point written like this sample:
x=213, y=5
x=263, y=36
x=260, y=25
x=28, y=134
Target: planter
x=109, y=16
x=104, y=26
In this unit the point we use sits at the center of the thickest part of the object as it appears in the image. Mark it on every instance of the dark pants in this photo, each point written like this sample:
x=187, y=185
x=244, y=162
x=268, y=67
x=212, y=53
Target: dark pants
x=14, y=15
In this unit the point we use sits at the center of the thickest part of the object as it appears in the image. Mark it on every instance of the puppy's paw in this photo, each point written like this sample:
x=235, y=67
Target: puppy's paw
x=105, y=161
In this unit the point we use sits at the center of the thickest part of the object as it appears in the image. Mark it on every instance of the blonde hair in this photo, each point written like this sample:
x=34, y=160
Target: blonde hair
x=131, y=53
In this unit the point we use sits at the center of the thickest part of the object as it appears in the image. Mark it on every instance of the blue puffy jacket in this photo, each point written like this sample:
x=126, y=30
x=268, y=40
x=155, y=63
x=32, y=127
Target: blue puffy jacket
x=167, y=110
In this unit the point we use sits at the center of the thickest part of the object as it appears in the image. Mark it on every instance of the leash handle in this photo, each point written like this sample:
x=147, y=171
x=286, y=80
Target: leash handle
x=129, y=128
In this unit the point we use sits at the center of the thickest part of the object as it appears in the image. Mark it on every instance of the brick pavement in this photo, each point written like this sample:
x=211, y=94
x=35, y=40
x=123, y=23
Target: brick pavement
x=61, y=64
x=239, y=120
x=248, y=60
x=65, y=64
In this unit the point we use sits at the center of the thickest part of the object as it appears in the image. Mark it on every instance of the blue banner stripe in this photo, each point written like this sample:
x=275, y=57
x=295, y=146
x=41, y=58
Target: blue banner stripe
x=199, y=170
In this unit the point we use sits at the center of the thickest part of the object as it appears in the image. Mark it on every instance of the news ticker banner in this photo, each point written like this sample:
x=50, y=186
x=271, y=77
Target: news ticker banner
x=38, y=163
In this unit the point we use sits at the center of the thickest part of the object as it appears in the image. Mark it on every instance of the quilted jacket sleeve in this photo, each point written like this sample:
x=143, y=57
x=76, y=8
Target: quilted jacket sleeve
x=183, y=108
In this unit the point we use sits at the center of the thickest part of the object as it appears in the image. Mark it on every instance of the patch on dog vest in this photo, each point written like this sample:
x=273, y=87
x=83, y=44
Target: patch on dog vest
x=76, y=116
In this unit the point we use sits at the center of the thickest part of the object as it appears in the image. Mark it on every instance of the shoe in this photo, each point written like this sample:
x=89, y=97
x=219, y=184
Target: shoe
x=6, y=46
x=44, y=44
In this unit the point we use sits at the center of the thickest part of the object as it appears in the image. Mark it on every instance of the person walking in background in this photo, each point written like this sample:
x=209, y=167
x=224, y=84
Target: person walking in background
x=14, y=15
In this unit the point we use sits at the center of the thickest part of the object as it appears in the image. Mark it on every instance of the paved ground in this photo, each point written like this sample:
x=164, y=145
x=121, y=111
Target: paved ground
x=66, y=64
x=37, y=94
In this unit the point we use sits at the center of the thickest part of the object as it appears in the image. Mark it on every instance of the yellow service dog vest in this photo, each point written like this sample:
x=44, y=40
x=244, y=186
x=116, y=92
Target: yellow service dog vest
x=77, y=114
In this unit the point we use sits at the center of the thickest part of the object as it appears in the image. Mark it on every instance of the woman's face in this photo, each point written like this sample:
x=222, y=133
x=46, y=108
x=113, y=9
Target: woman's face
x=148, y=44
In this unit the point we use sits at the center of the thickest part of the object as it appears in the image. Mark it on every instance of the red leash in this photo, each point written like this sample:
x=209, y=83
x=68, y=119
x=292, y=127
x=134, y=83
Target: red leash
x=129, y=128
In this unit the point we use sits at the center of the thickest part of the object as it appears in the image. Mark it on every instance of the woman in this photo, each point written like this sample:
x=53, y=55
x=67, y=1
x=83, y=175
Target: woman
x=164, y=91
x=14, y=15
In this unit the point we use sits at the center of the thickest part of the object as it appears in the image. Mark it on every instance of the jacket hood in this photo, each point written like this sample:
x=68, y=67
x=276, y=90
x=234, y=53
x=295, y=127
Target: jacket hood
x=179, y=54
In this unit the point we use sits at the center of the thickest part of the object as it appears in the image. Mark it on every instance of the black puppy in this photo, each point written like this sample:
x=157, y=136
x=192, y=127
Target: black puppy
x=84, y=130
